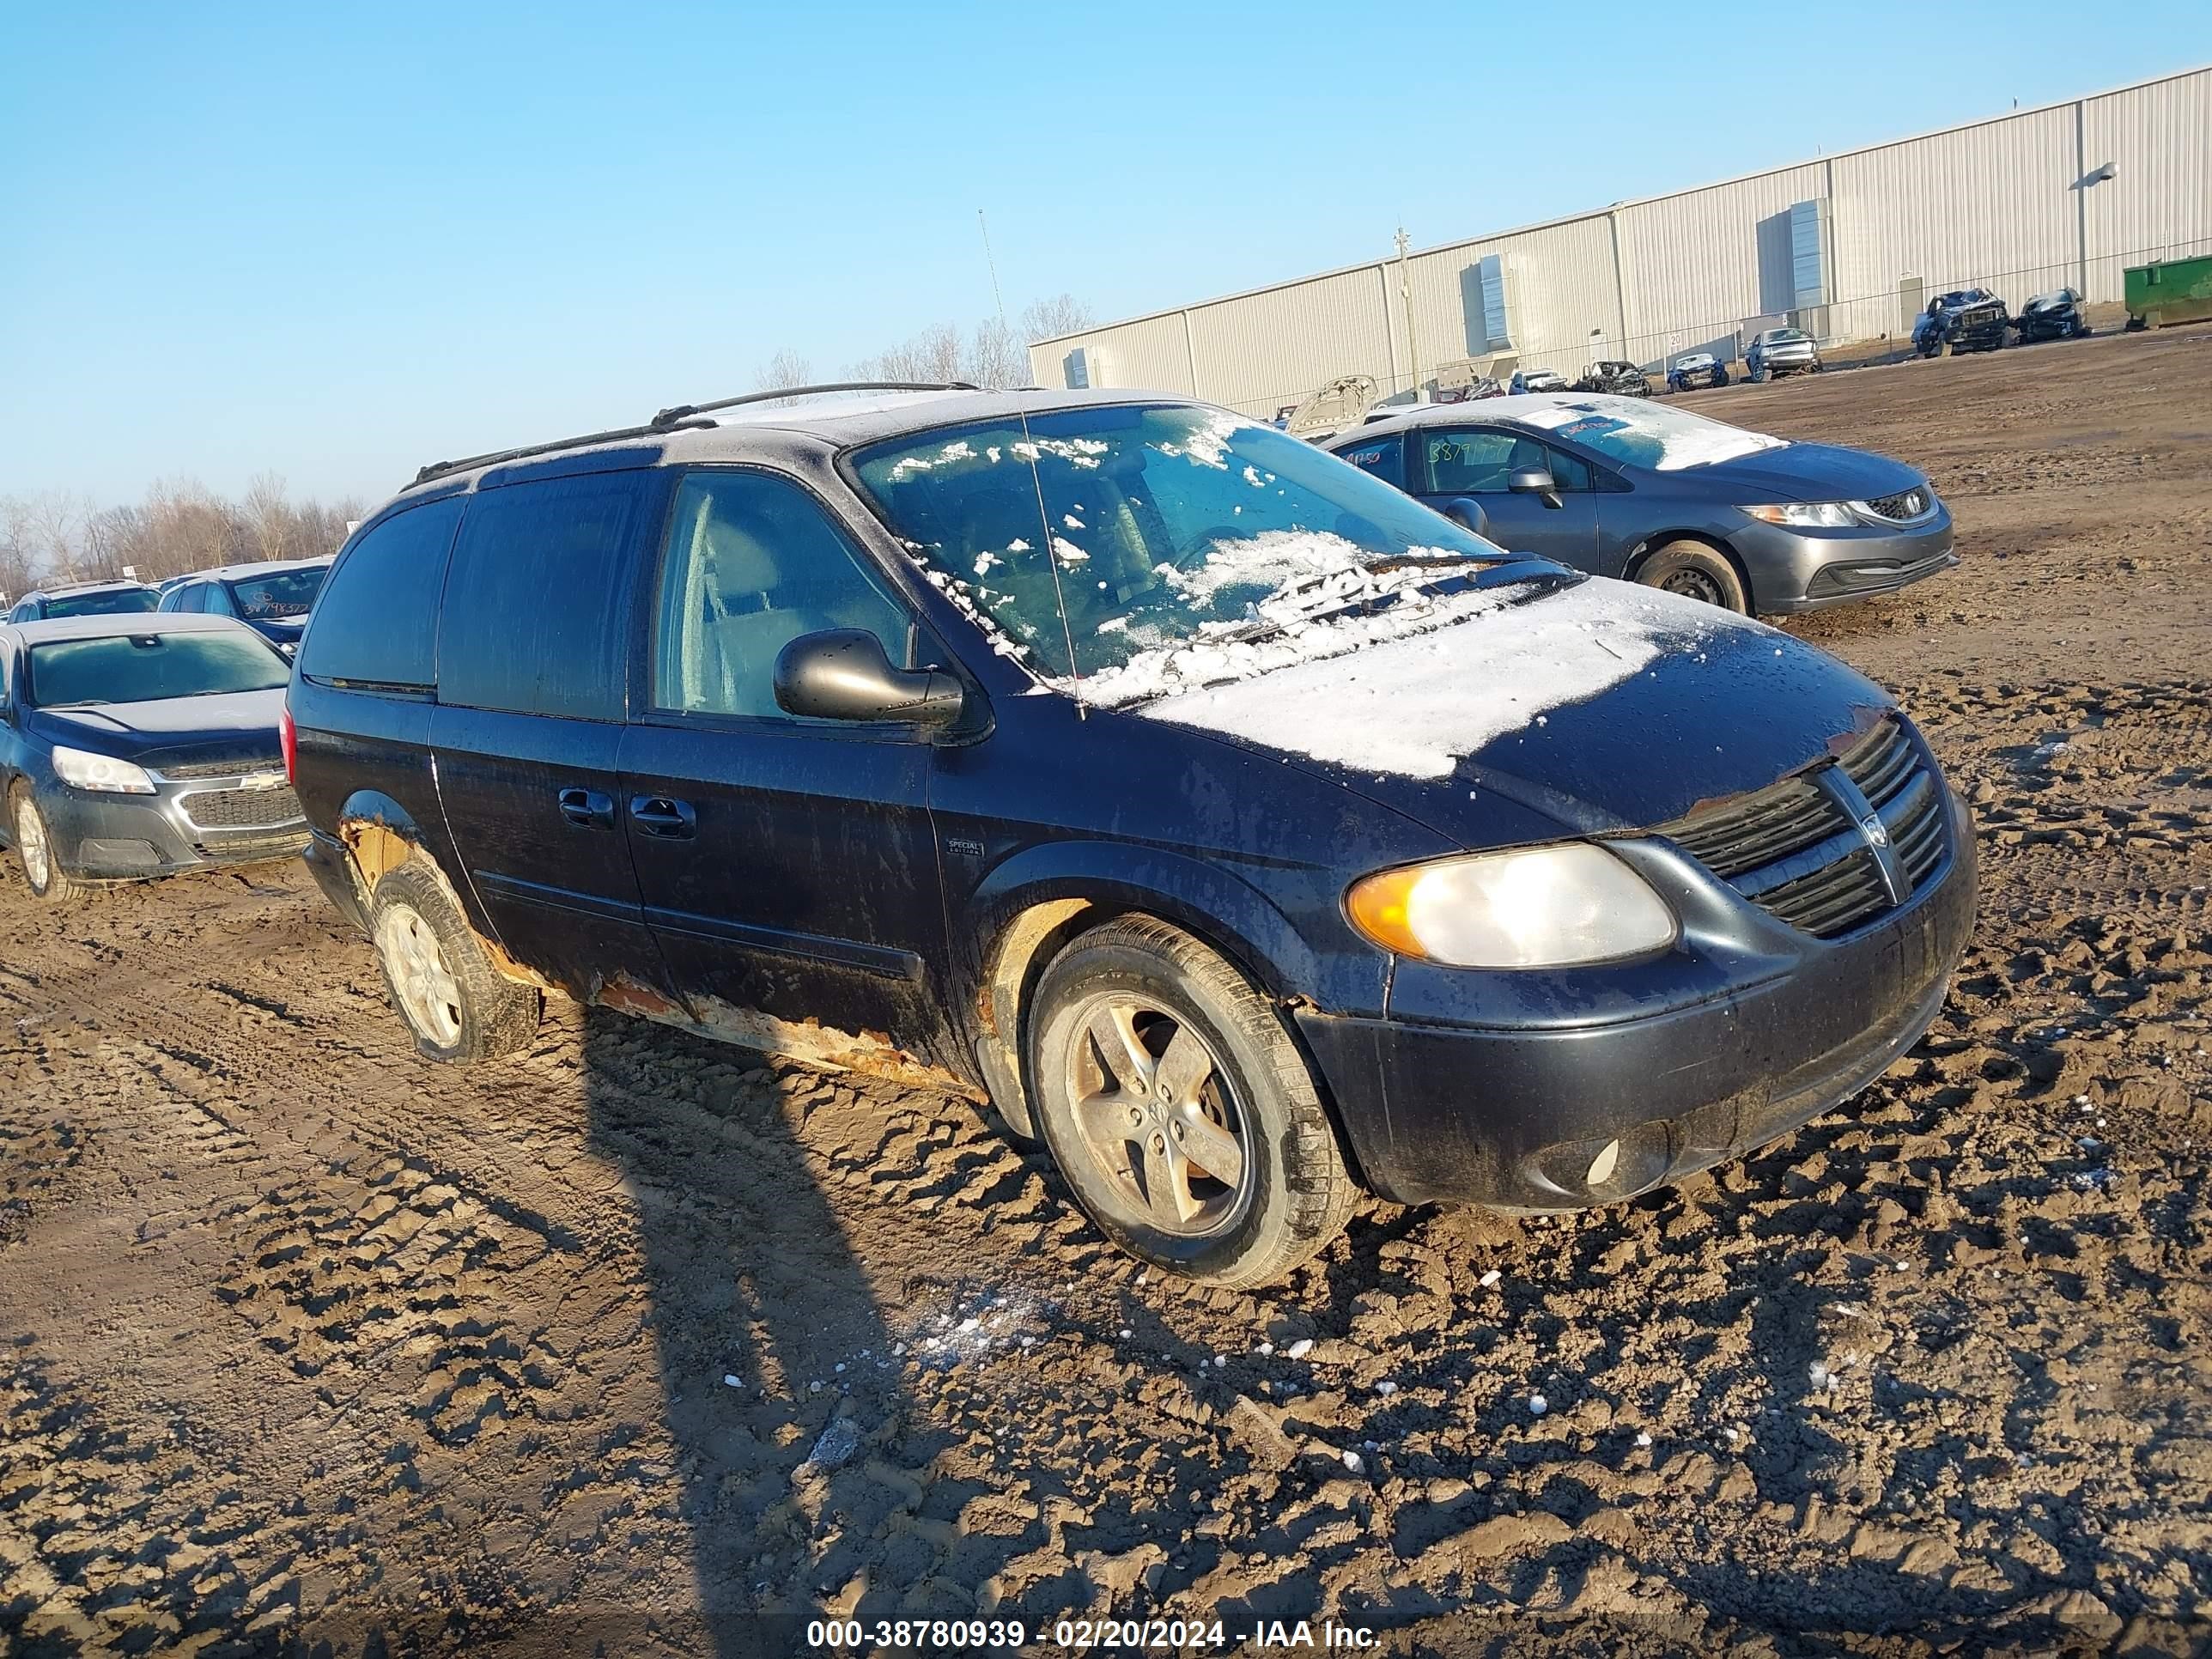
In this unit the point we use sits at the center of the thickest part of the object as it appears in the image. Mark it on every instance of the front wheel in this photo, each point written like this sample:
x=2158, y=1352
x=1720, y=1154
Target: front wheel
x=1696, y=572
x=1759, y=377
x=457, y=1005
x=1182, y=1114
x=34, y=848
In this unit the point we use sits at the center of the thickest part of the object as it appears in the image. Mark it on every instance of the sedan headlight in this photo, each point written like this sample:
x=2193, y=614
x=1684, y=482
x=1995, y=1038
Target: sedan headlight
x=1539, y=907
x=101, y=771
x=1809, y=515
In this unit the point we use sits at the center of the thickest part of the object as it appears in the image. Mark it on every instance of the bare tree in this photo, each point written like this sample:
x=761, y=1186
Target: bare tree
x=19, y=565
x=1048, y=319
x=52, y=520
x=785, y=368
x=269, y=515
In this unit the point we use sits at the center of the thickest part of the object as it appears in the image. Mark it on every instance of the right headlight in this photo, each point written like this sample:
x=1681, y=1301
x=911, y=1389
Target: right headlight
x=1820, y=515
x=1537, y=907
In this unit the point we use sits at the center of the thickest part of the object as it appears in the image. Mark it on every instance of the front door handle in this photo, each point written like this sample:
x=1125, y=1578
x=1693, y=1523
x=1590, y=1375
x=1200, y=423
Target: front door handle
x=587, y=808
x=664, y=816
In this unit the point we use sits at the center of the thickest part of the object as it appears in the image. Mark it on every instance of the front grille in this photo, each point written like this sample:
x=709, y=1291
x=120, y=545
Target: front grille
x=1906, y=504
x=1794, y=851
x=241, y=809
x=224, y=769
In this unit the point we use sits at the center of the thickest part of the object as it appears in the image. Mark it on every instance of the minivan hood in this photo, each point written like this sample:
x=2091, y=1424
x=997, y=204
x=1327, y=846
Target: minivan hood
x=1803, y=472
x=1604, y=706
x=172, y=730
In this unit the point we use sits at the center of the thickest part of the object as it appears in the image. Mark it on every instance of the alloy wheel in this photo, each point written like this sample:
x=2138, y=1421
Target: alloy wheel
x=31, y=846
x=428, y=994
x=1157, y=1118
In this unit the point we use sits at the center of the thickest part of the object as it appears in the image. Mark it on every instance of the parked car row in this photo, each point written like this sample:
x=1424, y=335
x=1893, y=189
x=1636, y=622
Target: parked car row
x=1245, y=832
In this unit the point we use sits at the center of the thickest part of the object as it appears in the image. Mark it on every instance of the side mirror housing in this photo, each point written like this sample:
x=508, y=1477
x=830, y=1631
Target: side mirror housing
x=1466, y=512
x=1534, y=481
x=842, y=674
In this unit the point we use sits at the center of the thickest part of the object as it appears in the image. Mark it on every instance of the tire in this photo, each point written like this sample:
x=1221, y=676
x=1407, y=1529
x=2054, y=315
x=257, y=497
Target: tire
x=457, y=1006
x=1696, y=572
x=1117, y=1106
x=35, y=848
x=1758, y=377
x=1720, y=377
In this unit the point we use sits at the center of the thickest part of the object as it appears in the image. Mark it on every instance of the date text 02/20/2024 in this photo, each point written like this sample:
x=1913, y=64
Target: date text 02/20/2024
x=1083, y=1635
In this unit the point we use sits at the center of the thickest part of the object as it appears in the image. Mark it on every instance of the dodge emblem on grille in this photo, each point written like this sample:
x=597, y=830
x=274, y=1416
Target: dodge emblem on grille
x=1876, y=832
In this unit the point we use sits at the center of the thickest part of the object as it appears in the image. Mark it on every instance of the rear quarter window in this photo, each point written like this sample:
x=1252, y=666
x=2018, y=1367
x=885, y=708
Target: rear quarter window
x=533, y=618
x=376, y=623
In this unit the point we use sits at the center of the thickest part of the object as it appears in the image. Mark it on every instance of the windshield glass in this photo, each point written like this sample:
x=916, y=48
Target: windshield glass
x=143, y=667
x=1155, y=526
x=286, y=593
x=115, y=602
x=1640, y=434
x=1781, y=335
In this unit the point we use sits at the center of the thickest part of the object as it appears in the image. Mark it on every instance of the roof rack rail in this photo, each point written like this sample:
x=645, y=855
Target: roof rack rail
x=683, y=411
x=438, y=469
x=682, y=416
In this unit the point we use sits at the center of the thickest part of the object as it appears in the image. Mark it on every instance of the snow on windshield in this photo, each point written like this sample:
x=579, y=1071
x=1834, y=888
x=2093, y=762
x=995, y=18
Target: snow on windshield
x=1645, y=435
x=1092, y=542
x=1418, y=704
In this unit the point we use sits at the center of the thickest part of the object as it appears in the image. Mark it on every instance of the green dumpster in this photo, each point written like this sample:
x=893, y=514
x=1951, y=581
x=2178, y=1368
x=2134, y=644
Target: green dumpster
x=2171, y=291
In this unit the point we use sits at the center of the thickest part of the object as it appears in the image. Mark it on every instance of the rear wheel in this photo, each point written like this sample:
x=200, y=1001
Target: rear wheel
x=1180, y=1111
x=1696, y=572
x=457, y=1005
x=34, y=848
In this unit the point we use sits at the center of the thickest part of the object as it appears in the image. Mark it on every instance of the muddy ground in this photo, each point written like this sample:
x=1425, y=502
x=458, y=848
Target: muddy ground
x=307, y=1345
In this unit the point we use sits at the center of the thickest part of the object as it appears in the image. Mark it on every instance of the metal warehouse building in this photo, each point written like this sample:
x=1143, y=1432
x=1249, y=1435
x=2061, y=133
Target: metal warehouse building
x=1846, y=247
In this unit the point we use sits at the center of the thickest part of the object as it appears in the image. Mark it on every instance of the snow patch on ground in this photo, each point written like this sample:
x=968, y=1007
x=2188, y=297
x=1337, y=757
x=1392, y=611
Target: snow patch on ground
x=1418, y=704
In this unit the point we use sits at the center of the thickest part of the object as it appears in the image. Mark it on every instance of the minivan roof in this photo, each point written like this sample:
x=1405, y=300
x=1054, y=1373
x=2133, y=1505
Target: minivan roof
x=837, y=421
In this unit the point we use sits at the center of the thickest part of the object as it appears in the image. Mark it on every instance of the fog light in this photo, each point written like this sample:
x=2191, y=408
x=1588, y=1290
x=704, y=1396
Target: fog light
x=1598, y=1171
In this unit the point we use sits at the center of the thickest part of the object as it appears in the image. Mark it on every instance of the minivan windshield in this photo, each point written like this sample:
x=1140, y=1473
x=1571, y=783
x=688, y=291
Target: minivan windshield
x=1152, y=524
x=286, y=593
x=1640, y=434
x=109, y=602
x=145, y=667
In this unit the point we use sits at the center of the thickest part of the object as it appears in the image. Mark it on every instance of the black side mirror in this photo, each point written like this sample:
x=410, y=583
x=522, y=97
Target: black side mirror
x=1534, y=481
x=1466, y=512
x=842, y=674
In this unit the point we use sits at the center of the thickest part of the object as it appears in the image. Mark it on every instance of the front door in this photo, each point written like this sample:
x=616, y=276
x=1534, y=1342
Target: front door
x=527, y=731
x=788, y=866
x=1476, y=462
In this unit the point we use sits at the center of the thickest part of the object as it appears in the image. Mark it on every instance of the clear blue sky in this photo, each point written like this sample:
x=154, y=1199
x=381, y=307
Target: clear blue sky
x=336, y=242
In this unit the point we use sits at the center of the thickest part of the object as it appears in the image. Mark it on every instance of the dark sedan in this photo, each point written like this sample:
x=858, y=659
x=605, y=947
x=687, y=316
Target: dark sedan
x=272, y=597
x=136, y=746
x=84, y=599
x=1620, y=487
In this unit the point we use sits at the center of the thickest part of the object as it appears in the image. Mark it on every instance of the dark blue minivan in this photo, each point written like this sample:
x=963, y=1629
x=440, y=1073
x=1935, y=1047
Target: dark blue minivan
x=1246, y=831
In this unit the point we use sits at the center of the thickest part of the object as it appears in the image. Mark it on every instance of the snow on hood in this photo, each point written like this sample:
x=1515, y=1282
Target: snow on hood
x=1417, y=704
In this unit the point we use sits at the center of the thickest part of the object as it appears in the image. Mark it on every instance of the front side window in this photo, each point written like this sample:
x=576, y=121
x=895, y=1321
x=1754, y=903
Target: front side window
x=286, y=594
x=753, y=563
x=147, y=667
x=1116, y=531
x=215, y=601
x=1475, y=461
x=531, y=620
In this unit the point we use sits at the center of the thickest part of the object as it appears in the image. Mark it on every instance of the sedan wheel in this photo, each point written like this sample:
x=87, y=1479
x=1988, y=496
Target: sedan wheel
x=42, y=873
x=1696, y=572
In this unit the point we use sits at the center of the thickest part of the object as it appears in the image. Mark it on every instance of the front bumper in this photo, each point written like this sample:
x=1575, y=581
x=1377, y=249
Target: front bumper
x=1523, y=1118
x=185, y=824
x=1793, y=570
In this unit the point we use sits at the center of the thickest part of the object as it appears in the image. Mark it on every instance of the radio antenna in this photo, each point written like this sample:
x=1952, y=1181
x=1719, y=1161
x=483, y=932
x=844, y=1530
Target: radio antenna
x=1036, y=481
